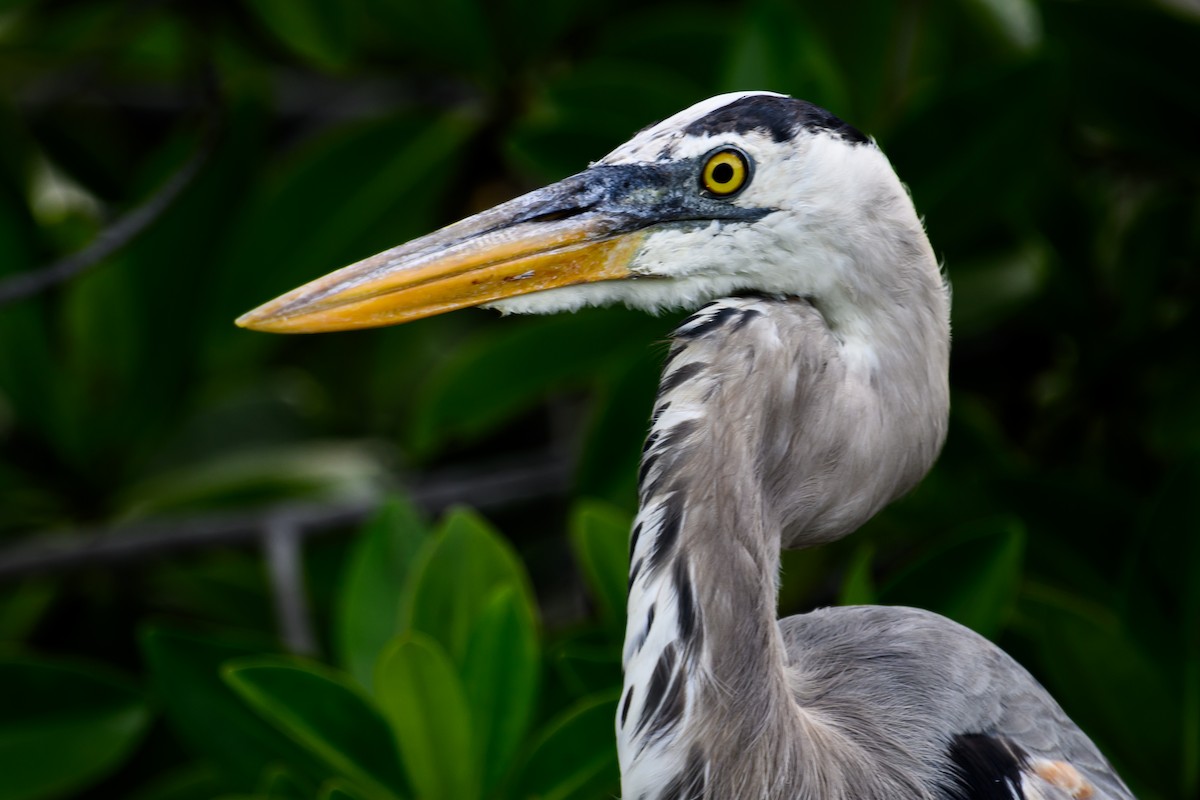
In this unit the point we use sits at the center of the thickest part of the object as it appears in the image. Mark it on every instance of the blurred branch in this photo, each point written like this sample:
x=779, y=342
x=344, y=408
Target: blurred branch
x=484, y=488
x=115, y=236
x=285, y=563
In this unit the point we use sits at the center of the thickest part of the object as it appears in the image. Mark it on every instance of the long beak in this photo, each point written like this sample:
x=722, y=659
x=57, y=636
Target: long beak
x=566, y=234
x=586, y=228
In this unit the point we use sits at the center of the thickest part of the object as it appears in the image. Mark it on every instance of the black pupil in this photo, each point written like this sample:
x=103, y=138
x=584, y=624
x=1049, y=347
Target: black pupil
x=723, y=172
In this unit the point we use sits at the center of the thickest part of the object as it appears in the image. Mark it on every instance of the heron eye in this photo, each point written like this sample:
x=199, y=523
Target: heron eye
x=725, y=172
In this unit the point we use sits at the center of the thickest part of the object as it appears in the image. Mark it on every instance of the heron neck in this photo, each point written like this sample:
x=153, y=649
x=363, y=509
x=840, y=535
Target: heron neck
x=769, y=430
x=707, y=548
x=702, y=649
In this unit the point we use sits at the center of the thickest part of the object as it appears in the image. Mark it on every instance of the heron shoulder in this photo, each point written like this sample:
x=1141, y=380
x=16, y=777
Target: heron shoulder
x=894, y=673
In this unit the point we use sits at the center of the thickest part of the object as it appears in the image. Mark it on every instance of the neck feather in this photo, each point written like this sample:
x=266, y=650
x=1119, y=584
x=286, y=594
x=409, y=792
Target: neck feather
x=769, y=430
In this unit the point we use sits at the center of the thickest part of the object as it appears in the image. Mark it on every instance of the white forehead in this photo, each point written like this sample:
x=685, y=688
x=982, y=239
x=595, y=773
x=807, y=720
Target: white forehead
x=668, y=137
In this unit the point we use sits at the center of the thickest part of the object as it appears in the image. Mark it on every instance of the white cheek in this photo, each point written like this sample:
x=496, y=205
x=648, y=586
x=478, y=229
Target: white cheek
x=677, y=252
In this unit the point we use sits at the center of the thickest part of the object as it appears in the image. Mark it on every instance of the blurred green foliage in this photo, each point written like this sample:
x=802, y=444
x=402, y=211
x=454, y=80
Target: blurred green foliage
x=1053, y=147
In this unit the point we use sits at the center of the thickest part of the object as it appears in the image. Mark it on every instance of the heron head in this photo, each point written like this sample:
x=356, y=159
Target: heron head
x=749, y=191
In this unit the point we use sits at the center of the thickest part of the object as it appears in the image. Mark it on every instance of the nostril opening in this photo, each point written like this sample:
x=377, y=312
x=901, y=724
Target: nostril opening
x=555, y=216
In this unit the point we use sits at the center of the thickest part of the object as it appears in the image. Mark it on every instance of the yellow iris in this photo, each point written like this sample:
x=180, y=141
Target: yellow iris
x=725, y=172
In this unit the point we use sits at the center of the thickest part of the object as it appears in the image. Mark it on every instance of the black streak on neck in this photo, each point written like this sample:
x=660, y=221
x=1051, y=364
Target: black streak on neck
x=668, y=532
x=660, y=680
x=690, y=633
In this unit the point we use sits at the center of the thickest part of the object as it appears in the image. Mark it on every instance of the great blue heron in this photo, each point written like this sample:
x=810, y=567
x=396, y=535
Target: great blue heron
x=808, y=391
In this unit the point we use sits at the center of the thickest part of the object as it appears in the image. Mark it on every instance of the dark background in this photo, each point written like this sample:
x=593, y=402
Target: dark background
x=1052, y=147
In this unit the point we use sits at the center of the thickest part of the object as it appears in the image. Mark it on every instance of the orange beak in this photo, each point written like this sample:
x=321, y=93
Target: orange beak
x=399, y=286
x=586, y=228
x=530, y=244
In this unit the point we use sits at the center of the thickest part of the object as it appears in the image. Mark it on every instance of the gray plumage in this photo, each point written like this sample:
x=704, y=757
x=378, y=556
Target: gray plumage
x=940, y=677
x=777, y=425
x=808, y=391
x=796, y=446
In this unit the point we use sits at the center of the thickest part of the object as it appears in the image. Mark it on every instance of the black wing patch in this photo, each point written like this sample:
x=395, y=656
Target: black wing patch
x=986, y=768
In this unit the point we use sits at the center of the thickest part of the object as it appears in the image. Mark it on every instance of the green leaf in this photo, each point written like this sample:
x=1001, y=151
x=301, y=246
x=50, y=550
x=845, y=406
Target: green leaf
x=801, y=572
x=454, y=34
x=339, y=790
x=1189, y=744
x=207, y=715
x=327, y=471
x=858, y=587
x=1016, y=22
x=1085, y=652
x=778, y=47
x=576, y=755
x=587, y=665
x=103, y=330
x=612, y=446
x=1162, y=564
x=516, y=364
x=500, y=674
x=422, y=698
x=197, y=781
x=63, y=725
x=974, y=579
x=562, y=131
x=368, y=607
x=22, y=606
x=600, y=539
x=459, y=572
x=656, y=38
x=324, y=712
x=31, y=378
x=998, y=286
x=387, y=176
x=1167, y=562
x=226, y=588
x=280, y=783
x=314, y=29
x=142, y=393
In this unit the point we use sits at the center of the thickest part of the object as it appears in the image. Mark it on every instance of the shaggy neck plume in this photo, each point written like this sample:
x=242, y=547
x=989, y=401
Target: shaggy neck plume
x=763, y=431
